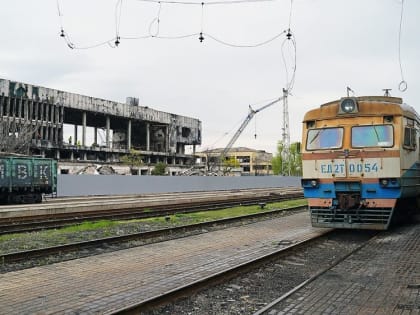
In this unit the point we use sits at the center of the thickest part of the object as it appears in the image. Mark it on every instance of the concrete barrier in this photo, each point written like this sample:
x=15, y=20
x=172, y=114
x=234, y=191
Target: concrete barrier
x=82, y=185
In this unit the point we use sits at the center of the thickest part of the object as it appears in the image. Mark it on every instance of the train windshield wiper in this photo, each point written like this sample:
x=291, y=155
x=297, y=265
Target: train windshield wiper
x=316, y=136
x=377, y=135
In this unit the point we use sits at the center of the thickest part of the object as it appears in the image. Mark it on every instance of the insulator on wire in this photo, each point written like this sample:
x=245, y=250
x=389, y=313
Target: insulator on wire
x=289, y=34
x=117, y=41
x=62, y=34
x=201, y=38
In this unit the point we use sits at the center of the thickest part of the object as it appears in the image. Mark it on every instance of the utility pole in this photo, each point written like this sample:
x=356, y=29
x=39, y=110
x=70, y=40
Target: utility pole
x=285, y=136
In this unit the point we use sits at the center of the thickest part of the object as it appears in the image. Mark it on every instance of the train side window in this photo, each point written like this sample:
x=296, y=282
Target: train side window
x=410, y=137
x=407, y=136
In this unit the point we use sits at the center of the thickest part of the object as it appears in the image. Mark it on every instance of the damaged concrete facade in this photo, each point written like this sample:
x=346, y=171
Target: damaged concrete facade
x=157, y=136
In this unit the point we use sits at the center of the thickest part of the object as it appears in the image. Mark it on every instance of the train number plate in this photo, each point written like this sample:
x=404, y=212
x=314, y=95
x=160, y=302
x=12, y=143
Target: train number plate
x=358, y=167
x=350, y=167
x=335, y=168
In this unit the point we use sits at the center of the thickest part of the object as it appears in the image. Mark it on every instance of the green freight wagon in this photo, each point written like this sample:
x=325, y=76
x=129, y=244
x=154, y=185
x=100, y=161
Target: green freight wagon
x=23, y=179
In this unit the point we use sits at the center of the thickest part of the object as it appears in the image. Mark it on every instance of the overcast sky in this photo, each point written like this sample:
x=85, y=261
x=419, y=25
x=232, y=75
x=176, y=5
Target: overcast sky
x=339, y=44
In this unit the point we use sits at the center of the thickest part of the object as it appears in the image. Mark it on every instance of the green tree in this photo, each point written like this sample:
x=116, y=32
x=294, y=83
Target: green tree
x=160, y=169
x=293, y=163
x=132, y=159
x=229, y=163
x=277, y=161
x=295, y=159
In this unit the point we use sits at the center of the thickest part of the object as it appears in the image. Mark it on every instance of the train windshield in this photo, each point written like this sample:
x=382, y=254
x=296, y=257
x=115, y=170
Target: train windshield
x=372, y=136
x=324, y=138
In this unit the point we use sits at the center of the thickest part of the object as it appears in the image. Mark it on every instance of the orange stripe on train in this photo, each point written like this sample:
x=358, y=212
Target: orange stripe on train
x=319, y=202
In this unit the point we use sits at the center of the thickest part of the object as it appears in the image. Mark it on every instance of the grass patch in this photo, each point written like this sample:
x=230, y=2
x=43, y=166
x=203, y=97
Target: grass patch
x=182, y=218
x=210, y=215
x=204, y=216
x=86, y=226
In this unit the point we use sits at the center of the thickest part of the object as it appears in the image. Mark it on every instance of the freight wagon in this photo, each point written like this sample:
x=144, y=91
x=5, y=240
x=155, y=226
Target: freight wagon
x=24, y=179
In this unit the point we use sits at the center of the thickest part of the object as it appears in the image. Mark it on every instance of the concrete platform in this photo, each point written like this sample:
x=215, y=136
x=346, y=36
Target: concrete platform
x=382, y=278
x=98, y=203
x=104, y=283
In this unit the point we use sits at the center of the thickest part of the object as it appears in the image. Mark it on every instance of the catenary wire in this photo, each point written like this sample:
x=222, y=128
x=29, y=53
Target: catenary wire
x=403, y=84
x=160, y=36
x=73, y=46
x=206, y=3
x=114, y=42
x=244, y=45
x=289, y=83
x=118, y=9
x=157, y=21
x=60, y=16
x=290, y=13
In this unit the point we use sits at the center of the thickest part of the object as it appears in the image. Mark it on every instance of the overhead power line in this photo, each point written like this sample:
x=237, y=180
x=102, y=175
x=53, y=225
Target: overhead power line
x=403, y=84
x=154, y=26
x=206, y=3
x=154, y=32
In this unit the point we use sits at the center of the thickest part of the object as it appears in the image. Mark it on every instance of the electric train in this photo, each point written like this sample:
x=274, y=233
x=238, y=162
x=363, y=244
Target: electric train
x=360, y=159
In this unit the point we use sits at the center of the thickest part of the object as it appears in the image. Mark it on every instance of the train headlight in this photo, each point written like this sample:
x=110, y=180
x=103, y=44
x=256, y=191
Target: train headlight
x=389, y=182
x=347, y=106
x=384, y=182
x=310, y=183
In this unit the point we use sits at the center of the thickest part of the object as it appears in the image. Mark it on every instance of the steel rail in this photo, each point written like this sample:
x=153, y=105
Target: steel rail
x=311, y=279
x=27, y=224
x=155, y=196
x=29, y=212
x=216, y=278
x=43, y=252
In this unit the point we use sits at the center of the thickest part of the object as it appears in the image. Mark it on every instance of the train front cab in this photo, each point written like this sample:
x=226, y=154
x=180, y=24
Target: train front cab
x=360, y=157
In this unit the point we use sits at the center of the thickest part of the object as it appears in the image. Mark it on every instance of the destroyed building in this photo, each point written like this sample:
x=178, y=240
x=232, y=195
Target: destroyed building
x=115, y=129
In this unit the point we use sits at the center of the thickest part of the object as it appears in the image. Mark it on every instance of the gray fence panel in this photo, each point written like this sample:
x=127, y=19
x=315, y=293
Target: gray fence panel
x=83, y=185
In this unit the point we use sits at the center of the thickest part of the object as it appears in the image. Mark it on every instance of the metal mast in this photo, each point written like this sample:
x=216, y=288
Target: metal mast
x=285, y=136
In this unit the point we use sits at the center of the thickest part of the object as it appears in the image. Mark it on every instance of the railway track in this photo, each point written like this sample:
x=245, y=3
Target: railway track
x=271, y=307
x=173, y=232
x=162, y=196
x=209, y=290
x=228, y=279
x=233, y=270
x=141, y=208
x=56, y=202
x=287, y=249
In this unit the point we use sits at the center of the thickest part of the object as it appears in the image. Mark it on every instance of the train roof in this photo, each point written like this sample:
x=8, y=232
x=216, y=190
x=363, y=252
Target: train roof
x=368, y=106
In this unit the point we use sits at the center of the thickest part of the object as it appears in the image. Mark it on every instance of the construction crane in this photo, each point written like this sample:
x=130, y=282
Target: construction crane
x=245, y=123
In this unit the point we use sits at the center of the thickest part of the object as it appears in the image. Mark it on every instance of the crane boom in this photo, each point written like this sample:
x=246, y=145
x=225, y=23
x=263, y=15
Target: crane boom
x=245, y=123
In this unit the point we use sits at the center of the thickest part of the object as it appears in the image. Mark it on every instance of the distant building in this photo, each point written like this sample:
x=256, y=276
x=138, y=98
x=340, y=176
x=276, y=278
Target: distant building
x=250, y=161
